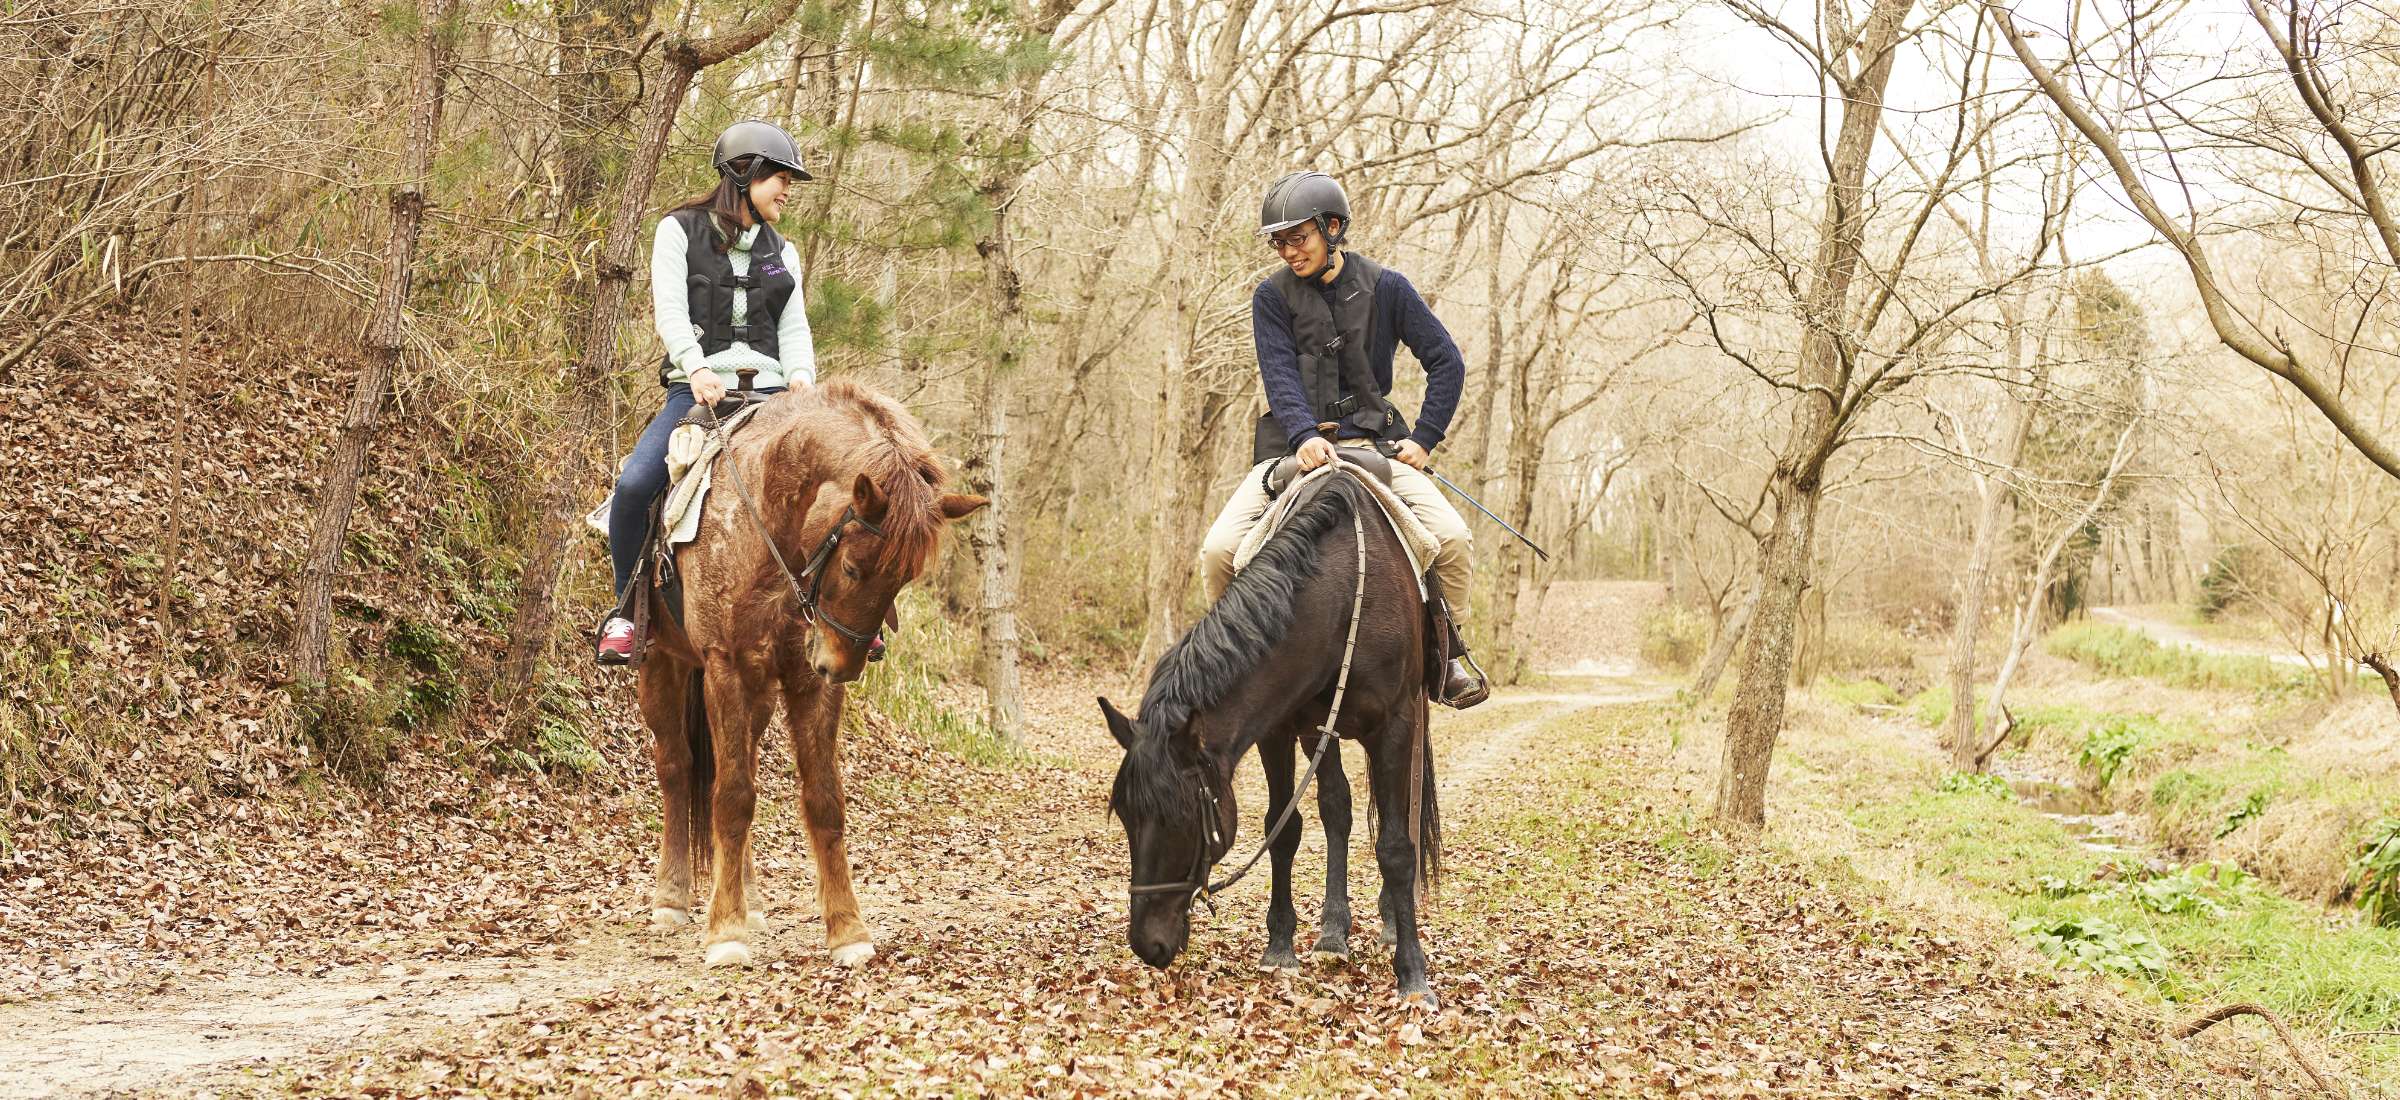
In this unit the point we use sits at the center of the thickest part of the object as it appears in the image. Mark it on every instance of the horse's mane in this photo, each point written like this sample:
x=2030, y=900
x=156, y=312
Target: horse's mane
x=898, y=458
x=1247, y=623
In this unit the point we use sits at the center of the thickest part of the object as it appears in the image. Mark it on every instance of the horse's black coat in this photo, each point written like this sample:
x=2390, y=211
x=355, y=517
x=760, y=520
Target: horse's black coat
x=1247, y=623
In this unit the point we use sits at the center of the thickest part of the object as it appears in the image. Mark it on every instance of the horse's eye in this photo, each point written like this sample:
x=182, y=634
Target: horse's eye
x=850, y=571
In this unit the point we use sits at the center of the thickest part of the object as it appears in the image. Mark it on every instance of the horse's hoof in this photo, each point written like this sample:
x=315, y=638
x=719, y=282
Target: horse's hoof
x=1425, y=1001
x=1389, y=937
x=1280, y=960
x=728, y=953
x=667, y=919
x=853, y=955
x=1327, y=956
x=758, y=921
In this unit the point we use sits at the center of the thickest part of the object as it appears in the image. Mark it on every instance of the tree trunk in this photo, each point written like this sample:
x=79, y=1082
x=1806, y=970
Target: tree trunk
x=1179, y=439
x=1974, y=587
x=594, y=348
x=994, y=538
x=1756, y=716
x=1722, y=647
x=596, y=43
x=385, y=339
x=2028, y=614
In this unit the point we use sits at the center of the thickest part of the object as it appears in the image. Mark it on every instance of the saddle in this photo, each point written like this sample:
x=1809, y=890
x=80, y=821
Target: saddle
x=656, y=569
x=1291, y=490
x=1279, y=476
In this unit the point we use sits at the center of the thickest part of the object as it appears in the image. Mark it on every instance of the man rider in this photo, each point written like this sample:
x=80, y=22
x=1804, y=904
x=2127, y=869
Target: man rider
x=1325, y=327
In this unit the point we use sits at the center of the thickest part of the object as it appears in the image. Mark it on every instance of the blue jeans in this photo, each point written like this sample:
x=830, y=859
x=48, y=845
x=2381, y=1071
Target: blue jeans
x=638, y=486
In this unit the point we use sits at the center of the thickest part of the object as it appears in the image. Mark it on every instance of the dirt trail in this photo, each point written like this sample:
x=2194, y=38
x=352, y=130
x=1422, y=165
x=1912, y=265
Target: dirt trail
x=2167, y=633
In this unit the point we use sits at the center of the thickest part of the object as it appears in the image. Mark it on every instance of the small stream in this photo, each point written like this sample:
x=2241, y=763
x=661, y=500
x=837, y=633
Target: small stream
x=2083, y=814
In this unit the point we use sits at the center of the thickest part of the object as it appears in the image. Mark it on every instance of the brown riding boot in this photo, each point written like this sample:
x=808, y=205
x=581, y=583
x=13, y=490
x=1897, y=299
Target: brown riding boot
x=1463, y=684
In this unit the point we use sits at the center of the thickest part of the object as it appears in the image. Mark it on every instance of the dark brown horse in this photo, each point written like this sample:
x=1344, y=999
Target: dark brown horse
x=847, y=487
x=1261, y=669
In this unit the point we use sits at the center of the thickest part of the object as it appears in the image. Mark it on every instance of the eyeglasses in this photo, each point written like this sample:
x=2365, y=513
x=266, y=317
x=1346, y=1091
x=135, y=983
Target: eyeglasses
x=1283, y=242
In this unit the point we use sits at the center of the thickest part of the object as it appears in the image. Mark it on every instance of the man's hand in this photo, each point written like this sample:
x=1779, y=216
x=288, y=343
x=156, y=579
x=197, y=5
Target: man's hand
x=1413, y=454
x=1314, y=453
x=707, y=388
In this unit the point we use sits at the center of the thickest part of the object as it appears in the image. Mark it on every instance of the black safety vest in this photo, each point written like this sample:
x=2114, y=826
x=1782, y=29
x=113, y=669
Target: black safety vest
x=1331, y=326
x=709, y=282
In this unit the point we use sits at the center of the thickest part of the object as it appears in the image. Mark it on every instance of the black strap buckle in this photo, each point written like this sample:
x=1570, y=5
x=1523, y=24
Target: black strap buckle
x=743, y=282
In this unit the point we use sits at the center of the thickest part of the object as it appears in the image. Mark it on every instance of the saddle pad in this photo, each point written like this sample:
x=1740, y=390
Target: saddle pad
x=1414, y=538
x=694, y=448
x=690, y=445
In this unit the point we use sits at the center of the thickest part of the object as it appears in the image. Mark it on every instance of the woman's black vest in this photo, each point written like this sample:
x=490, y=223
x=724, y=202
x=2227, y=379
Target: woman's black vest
x=710, y=282
x=1331, y=326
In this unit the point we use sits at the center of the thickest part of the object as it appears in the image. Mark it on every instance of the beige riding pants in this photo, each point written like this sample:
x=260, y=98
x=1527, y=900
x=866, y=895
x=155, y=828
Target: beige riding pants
x=1249, y=501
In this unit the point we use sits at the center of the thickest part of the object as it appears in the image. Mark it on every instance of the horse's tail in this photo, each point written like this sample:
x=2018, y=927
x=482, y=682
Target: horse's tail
x=1429, y=816
x=703, y=772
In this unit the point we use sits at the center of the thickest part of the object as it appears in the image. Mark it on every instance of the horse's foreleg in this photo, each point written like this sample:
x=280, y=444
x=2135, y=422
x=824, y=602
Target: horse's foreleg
x=814, y=710
x=735, y=719
x=1333, y=808
x=1275, y=752
x=662, y=690
x=1396, y=855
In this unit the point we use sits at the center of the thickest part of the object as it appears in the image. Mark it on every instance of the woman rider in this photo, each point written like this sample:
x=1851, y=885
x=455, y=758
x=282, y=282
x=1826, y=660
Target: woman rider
x=725, y=288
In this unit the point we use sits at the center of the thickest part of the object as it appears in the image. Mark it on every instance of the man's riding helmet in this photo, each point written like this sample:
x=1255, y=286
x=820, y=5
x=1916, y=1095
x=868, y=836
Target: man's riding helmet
x=773, y=150
x=1302, y=197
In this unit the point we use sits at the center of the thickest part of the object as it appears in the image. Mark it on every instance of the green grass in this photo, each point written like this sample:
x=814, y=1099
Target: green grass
x=1866, y=692
x=2243, y=943
x=2116, y=651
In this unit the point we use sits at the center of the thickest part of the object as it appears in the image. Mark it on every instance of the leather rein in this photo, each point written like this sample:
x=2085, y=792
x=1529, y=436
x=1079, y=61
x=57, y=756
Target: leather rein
x=812, y=573
x=1196, y=884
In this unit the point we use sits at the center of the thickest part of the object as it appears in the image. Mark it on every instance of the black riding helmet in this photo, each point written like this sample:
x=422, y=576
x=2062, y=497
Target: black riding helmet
x=773, y=149
x=1304, y=196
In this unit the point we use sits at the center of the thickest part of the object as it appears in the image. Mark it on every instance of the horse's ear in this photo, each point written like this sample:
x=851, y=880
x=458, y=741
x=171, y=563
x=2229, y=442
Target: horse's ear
x=1119, y=726
x=867, y=500
x=958, y=506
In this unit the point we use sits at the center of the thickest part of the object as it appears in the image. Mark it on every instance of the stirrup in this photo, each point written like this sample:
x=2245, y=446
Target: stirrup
x=1481, y=690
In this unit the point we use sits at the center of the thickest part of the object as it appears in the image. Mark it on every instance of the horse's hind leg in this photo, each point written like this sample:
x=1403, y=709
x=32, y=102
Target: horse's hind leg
x=663, y=689
x=1333, y=807
x=1276, y=753
x=1396, y=854
x=736, y=716
x=813, y=710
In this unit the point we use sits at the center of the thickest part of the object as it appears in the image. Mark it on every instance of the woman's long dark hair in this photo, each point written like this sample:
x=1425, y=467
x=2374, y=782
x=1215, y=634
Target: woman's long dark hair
x=729, y=200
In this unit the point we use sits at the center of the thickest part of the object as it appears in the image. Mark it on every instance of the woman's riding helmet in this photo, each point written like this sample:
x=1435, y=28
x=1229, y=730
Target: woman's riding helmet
x=1304, y=196
x=774, y=150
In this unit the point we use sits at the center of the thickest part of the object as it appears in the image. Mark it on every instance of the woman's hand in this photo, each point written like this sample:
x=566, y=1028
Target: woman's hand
x=1412, y=453
x=707, y=388
x=1314, y=452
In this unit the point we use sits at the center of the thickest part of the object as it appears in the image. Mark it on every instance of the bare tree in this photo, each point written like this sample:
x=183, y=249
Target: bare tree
x=600, y=314
x=2335, y=156
x=385, y=339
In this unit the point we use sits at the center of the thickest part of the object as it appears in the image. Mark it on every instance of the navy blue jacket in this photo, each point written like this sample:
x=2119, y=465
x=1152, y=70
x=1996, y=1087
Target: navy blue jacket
x=1400, y=317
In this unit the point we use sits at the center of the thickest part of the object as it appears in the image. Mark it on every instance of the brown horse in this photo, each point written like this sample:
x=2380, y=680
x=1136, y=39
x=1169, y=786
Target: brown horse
x=844, y=482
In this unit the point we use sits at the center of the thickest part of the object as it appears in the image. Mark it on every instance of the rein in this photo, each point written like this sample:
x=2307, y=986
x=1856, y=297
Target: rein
x=814, y=571
x=1198, y=885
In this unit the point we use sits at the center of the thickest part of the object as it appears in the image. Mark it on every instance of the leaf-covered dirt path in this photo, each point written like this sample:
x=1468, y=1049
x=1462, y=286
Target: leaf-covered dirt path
x=1589, y=938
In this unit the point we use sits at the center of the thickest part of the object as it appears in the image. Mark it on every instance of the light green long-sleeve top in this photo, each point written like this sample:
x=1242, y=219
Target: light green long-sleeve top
x=670, y=304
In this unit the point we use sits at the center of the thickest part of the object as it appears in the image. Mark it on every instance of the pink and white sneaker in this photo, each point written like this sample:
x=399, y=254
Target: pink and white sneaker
x=616, y=642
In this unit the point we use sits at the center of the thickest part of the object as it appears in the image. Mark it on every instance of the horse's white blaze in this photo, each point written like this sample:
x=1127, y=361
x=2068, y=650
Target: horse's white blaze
x=853, y=954
x=666, y=919
x=728, y=953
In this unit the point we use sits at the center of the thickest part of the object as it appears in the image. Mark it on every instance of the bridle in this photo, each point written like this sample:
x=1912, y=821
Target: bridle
x=814, y=572
x=1196, y=884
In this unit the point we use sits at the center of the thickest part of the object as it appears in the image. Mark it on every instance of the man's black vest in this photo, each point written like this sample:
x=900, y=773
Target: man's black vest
x=709, y=282
x=1331, y=326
